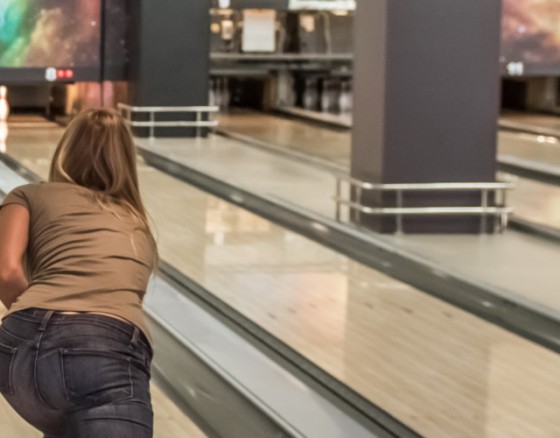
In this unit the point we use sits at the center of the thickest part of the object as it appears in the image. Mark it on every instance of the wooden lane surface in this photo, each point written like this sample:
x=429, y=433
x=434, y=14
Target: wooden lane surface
x=335, y=146
x=532, y=120
x=299, y=136
x=530, y=147
x=526, y=269
x=537, y=202
x=440, y=370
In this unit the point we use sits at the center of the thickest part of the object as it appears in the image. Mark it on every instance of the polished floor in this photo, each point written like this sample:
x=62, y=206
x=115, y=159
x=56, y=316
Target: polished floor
x=440, y=370
x=322, y=142
x=542, y=124
x=493, y=260
x=537, y=202
x=531, y=147
x=539, y=123
x=334, y=145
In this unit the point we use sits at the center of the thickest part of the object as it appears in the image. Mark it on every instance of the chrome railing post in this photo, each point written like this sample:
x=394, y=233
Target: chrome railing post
x=504, y=215
x=483, y=219
x=152, y=125
x=497, y=209
x=399, y=217
x=503, y=221
x=198, y=120
x=359, y=202
x=338, y=195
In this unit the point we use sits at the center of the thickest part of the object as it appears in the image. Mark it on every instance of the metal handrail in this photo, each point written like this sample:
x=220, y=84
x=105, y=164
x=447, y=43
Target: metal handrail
x=152, y=124
x=500, y=209
x=455, y=186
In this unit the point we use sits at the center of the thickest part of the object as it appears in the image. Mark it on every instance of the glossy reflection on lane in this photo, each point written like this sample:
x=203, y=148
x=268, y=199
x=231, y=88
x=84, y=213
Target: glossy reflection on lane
x=537, y=202
x=335, y=146
x=469, y=256
x=530, y=121
x=442, y=371
x=532, y=201
x=298, y=136
x=530, y=147
x=350, y=321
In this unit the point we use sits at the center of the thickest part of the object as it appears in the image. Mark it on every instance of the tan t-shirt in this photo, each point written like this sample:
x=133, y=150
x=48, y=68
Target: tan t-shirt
x=81, y=256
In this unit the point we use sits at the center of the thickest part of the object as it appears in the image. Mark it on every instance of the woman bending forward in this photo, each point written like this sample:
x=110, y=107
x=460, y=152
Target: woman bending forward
x=76, y=254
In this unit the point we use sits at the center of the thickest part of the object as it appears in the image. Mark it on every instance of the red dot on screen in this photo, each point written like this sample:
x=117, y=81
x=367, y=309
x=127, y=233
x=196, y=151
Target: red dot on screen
x=69, y=74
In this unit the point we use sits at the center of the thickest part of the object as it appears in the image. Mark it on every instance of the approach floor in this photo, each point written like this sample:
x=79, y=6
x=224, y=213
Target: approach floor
x=438, y=369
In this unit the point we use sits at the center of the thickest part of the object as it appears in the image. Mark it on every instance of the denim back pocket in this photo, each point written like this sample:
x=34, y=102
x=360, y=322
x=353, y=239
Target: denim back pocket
x=7, y=355
x=95, y=377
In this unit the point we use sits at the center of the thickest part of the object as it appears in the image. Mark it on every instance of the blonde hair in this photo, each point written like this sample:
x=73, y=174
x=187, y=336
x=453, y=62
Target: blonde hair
x=97, y=151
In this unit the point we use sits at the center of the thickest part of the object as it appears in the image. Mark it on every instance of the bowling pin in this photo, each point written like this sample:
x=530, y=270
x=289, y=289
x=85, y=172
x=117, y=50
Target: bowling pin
x=226, y=95
x=211, y=93
x=4, y=107
x=326, y=101
x=3, y=136
x=345, y=98
x=310, y=95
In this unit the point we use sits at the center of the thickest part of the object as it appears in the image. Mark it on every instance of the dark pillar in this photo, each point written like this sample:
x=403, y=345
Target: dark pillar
x=427, y=101
x=169, y=59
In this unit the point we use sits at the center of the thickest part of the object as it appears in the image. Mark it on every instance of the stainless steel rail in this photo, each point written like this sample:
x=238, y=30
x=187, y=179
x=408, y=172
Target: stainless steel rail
x=127, y=111
x=499, y=208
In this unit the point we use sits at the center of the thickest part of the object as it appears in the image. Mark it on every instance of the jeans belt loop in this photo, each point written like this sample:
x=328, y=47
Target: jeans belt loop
x=135, y=336
x=45, y=320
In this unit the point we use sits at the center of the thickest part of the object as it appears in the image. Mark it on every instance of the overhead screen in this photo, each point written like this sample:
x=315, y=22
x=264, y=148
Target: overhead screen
x=66, y=35
x=38, y=34
x=531, y=37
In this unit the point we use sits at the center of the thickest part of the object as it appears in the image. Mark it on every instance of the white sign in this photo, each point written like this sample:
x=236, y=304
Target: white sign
x=320, y=5
x=259, y=30
x=515, y=68
x=50, y=74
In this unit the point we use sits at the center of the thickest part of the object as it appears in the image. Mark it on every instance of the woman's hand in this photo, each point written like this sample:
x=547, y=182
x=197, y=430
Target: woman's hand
x=14, y=236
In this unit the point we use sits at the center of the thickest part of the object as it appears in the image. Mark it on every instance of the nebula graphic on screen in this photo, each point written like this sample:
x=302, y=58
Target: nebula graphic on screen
x=531, y=34
x=42, y=33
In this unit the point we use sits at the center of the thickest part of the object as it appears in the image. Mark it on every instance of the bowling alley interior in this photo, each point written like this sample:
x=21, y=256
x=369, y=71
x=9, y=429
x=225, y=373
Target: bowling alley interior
x=356, y=205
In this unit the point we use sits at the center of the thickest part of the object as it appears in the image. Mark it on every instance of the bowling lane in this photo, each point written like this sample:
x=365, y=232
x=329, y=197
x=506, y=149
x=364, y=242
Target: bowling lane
x=544, y=124
x=534, y=148
x=334, y=146
x=533, y=201
x=292, y=135
x=440, y=370
x=537, y=202
x=474, y=257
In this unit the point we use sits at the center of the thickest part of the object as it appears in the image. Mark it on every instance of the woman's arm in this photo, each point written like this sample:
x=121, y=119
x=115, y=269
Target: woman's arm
x=14, y=235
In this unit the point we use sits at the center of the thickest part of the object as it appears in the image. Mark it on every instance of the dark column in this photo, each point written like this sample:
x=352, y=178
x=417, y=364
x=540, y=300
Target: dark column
x=427, y=101
x=169, y=59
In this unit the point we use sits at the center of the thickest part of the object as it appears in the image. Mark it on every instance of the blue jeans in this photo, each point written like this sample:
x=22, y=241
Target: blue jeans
x=78, y=376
